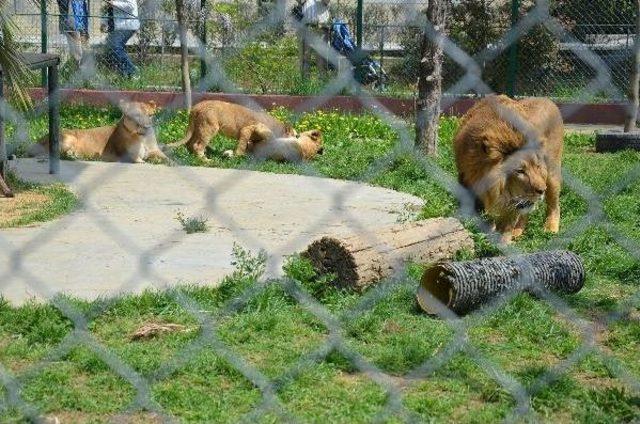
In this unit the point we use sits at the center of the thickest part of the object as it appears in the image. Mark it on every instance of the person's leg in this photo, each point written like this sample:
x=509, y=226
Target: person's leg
x=66, y=25
x=75, y=45
x=83, y=27
x=129, y=67
x=117, y=55
x=63, y=18
x=110, y=50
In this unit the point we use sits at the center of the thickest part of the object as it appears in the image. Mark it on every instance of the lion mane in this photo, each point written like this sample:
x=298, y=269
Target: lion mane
x=508, y=154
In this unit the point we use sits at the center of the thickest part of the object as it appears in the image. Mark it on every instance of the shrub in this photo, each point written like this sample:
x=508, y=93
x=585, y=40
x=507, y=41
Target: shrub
x=194, y=224
x=270, y=67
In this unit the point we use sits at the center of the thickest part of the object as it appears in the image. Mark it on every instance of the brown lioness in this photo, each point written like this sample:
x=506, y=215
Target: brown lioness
x=211, y=117
x=508, y=153
x=290, y=149
x=132, y=139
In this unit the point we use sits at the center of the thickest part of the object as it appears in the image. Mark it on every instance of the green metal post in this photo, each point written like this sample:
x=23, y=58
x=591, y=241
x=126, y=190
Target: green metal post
x=203, y=39
x=513, y=52
x=43, y=36
x=359, y=22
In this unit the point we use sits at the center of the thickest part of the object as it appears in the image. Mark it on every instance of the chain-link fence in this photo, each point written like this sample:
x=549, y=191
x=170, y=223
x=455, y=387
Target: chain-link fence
x=540, y=64
x=336, y=338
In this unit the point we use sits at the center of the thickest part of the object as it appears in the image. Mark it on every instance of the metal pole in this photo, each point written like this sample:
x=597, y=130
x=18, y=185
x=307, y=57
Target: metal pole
x=203, y=38
x=359, y=23
x=54, y=120
x=513, y=52
x=43, y=36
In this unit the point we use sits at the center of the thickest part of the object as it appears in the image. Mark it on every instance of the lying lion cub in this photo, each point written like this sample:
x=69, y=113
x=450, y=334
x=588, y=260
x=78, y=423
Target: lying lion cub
x=508, y=154
x=211, y=117
x=132, y=139
x=290, y=149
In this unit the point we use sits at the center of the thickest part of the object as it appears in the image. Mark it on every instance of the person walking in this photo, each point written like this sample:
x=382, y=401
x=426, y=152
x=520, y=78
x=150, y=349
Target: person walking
x=120, y=21
x=73, y=22
x=315, y=18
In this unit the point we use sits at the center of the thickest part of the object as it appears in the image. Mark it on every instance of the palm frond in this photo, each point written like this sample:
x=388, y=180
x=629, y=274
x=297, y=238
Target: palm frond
x=15, y=73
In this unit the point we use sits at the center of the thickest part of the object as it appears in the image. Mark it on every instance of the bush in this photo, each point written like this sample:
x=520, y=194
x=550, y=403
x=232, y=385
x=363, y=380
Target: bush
x=476, y=25
x=270, y=67
x=193, y=224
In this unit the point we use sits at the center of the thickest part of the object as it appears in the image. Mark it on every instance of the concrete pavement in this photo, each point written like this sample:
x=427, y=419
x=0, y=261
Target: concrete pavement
x=124, y=237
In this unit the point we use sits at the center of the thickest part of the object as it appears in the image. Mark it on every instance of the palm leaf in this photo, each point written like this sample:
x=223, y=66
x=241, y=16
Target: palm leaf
x=14, y=71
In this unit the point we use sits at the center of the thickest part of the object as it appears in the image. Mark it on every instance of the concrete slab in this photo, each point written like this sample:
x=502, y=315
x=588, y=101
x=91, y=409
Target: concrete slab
x=124, y=237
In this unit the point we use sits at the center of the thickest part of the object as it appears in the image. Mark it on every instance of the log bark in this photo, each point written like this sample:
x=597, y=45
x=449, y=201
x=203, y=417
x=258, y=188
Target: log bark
x=430, y=78
x=359, y=261
x=184, y=54
x=634, y=87
x=465, y=286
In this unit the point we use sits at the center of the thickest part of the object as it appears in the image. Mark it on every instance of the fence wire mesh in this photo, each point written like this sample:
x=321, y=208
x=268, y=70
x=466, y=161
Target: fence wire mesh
x=389, y=34
x=565, y=50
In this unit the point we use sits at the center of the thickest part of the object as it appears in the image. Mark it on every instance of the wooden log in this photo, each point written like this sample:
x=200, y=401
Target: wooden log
x=359, y=261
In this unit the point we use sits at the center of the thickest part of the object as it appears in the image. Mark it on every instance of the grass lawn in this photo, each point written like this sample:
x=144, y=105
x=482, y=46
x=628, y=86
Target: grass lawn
x=241, y=342
x=34, y=203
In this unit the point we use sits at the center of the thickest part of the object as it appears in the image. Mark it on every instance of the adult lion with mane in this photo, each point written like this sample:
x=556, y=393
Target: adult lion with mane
x=508, y=153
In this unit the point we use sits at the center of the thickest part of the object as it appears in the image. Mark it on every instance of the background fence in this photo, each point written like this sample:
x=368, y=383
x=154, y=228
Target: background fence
x=539, y=64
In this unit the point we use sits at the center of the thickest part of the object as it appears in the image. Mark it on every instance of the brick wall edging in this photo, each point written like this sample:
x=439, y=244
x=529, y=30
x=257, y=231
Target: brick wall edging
x=573, y=113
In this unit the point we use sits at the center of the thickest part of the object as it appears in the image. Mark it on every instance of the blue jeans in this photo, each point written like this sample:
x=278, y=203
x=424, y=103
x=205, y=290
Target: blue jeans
x=78, y=20
x=117, y=55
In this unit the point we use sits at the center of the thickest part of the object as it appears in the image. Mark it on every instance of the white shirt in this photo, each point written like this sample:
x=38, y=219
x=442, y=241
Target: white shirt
x=315, y=12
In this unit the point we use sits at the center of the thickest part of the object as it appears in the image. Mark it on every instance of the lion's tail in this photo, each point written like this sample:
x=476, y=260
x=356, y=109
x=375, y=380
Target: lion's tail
x=188, y=135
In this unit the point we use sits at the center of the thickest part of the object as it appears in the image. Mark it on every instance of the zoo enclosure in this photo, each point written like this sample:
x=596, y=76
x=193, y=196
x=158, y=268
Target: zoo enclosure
x=522, y=393
x=538, y=64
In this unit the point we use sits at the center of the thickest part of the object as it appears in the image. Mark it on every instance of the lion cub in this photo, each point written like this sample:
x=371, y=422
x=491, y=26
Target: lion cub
x=132, y=139
x=509, y=154
x=283, y=149
x=211, y=117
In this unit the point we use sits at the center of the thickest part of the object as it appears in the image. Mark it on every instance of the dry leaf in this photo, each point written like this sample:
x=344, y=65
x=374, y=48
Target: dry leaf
x=154, y=329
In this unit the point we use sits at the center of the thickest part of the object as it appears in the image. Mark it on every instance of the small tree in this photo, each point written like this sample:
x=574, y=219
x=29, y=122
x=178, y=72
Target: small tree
x=184, y=54
x=430, y=77
x=634, y=87
x=14, y=71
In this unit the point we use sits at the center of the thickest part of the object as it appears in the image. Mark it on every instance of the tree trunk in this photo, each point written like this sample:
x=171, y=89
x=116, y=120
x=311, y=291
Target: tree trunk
x=430, y=78
x=303, y=29
x=634, y=95
x=184, y=54
x=358, y=262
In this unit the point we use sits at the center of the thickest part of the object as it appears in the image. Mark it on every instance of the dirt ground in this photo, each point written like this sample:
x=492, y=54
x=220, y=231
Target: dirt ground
x=24, y=202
